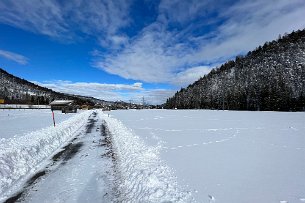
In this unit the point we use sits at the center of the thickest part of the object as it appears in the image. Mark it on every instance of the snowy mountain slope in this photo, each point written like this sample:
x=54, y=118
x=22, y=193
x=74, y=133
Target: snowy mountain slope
x=15, y=90
x=272, y=77
x=20, y=91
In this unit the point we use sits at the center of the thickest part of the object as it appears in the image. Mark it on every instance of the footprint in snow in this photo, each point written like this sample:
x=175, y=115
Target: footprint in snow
x=211, y=199
x=292, y=128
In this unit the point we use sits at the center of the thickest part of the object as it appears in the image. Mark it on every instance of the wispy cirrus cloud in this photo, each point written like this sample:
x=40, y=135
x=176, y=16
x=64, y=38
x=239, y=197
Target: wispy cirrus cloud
x=68, y=86
x=65, y=20
x=14, y=57
x=205, y=34
x=43, y=17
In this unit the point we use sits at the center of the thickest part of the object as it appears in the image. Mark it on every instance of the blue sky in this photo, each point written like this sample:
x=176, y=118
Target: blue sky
x=127, y=49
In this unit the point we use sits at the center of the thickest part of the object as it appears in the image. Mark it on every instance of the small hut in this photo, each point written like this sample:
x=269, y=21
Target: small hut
x=66, y=106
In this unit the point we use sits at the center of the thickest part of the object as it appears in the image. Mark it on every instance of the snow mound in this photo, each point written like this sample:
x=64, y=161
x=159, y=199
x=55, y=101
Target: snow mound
x=143, y=176
x=20, y=155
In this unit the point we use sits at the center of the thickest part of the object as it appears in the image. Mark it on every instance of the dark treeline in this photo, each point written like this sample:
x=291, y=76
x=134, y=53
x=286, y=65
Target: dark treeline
x=270, y=78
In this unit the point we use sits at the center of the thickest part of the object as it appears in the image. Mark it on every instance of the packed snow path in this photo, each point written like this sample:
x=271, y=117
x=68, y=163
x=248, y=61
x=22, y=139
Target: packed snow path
x=79, y=172
x=102, y=162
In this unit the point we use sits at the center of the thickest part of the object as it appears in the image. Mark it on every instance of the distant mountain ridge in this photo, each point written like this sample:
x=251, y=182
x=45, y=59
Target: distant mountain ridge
x=272, y=77
x=15, y=90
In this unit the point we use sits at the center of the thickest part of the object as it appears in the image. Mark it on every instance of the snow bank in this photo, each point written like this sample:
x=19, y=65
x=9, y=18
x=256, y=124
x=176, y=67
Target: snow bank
x=143, y=176
x=18, y=156
x=17, y=122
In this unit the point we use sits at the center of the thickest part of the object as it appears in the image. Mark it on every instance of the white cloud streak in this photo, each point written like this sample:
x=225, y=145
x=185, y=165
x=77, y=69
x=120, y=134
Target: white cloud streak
x=110, y=92
x=68, y=86
x=14, y=57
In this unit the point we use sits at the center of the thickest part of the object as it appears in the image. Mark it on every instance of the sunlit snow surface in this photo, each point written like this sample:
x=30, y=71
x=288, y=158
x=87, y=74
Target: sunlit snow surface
x=143, y=176
x=161, y=155
x=16, y=122
x=228, y=156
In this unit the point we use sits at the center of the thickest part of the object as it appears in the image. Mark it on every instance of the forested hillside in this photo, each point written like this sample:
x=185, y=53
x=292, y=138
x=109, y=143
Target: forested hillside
x=272, y=77
x=15, y=90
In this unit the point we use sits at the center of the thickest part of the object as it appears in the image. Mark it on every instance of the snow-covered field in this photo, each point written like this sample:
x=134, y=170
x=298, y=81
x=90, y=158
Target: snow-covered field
x=228, y=156
x=17, y=122
x=154, y=156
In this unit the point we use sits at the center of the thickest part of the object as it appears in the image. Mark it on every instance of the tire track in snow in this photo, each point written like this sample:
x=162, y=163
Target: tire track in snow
x=61, y=159
x=66, y=153
x=19, y=157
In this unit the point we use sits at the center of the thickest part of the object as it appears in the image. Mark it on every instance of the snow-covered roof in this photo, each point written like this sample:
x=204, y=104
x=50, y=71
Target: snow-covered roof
x=61, y=102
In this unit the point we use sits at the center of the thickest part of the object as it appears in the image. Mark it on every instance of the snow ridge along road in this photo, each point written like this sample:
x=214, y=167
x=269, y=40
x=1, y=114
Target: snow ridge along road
x=78, y=173
x=143, y=176
x=20, y=156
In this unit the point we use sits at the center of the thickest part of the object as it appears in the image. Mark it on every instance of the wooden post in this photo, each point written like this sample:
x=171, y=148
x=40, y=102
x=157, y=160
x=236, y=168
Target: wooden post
x=53, y=118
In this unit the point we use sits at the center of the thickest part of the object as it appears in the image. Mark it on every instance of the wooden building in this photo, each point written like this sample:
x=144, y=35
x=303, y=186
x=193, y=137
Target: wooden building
x=66, y=106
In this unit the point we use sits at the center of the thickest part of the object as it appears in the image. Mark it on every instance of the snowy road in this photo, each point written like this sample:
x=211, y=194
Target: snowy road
x=77, y=173
x=100, y=160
